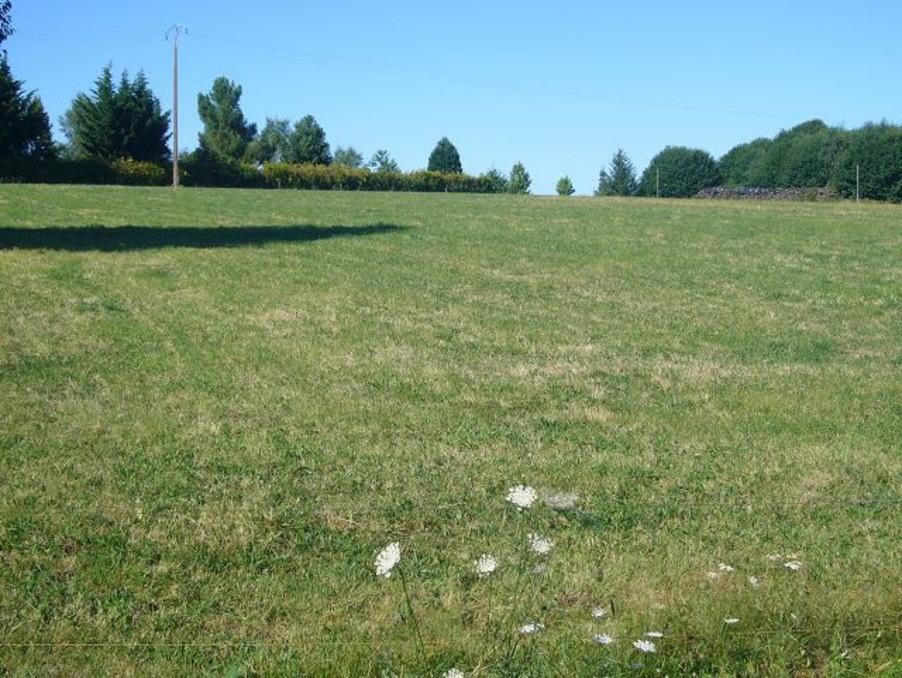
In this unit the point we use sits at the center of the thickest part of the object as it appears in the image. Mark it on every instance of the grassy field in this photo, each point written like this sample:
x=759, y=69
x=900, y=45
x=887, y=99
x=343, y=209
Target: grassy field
x=218, y=406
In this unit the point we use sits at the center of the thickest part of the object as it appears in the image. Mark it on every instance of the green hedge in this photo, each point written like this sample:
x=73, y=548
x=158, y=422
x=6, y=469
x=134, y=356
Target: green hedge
x=197, y=172
x=337, y=177
x=83, y=171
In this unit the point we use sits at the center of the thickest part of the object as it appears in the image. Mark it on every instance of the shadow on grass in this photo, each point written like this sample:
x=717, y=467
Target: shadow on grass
x=128, y=238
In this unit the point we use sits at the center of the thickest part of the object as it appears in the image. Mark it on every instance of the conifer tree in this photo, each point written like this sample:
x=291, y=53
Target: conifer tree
x=444, y=158
x=24, y=124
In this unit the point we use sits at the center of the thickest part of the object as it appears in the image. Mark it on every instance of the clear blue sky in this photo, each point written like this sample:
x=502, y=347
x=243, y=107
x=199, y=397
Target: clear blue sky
x=557, y=86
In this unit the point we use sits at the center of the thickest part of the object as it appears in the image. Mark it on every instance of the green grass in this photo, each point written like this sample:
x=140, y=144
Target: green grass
x=217, y=406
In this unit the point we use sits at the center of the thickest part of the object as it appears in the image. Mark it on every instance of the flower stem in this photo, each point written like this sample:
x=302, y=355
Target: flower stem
x=416, y=623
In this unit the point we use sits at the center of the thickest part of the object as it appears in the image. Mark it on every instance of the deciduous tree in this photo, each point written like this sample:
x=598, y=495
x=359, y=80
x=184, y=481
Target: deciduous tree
x=271, y=144
x=347, y=157
x=678, y=172
x=519, y=181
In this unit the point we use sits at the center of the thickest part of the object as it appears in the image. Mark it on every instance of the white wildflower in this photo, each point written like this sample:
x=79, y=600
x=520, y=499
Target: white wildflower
x=644, y=645
x=793, y=565
x=774, y=557
x=603, y=638
x=387, y=559
x=731, y=620
x=754, y=581
x=521, y=496
x=723, y=567
x=453, y=673
x=713, y=575
x=531, y=627
x=654, y=634
x=599, y=612
x=485, y=565
x=540, y=545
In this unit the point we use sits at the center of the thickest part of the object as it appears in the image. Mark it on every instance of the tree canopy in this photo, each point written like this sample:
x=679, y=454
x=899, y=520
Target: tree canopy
x=24, y=124
x=565, y=186
x=679, y=172
x=307, y=143
x=118, y=121
x=619, y=178
x=383, y=162
x=872, y=158
x=271, y=144
x=226, y=134
x=6, y=25
x=444, y=157
x=347, y=157
x=519, y=181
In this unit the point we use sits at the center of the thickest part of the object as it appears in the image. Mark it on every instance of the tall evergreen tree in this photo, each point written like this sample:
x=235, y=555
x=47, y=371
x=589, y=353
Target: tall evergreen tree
x=383, y=162
x=118, y=121
x=444, y=158
x=495, y=181
x=619, y=178
x=307, y=144
x=226, y=134
x=24, y=124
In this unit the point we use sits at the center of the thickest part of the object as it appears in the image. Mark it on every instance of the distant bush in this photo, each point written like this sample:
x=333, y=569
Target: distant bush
x=138, y=173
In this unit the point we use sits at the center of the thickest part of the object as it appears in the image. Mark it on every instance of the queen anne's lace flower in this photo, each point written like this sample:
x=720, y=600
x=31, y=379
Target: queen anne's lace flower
x=793, y=565
x=599, y=612
x=540, y=545
x=654, y=634
x=603, y=638
x=387, y=559
x=532, y=627
x=644, y=645
x=521, y=496
x=453, y=673
x=485, y=565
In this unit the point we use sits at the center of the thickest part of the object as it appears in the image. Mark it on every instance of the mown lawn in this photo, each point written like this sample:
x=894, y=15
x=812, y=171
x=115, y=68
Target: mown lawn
x=218, y=406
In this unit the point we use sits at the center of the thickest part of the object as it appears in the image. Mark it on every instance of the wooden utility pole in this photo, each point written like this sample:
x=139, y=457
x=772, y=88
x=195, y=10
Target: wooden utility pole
x=176, y=30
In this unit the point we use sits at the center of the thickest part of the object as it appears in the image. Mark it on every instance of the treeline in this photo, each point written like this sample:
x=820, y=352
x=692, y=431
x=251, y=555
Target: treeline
x=865, y=162
x=118, y=133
